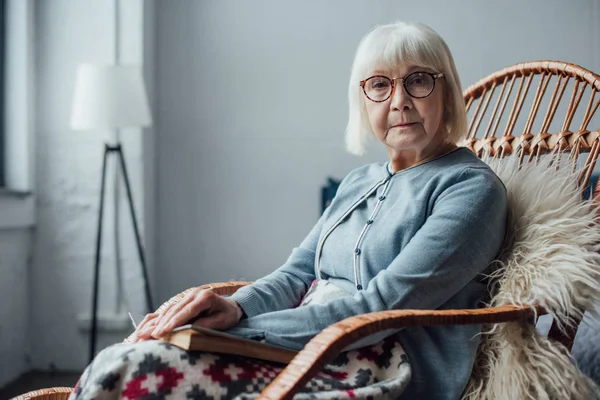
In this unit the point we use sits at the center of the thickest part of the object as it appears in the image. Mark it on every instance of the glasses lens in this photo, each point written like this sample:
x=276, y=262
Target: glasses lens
x=419, y=84
x=378, y=88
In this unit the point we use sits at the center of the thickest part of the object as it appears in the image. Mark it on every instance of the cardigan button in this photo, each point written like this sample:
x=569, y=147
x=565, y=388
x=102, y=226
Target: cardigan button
x=381, y=198
x=369, y=221
x=359, y=287
x=357, y=251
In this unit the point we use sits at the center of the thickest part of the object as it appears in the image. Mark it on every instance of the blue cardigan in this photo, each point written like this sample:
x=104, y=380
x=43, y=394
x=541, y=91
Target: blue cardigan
x=421, y=238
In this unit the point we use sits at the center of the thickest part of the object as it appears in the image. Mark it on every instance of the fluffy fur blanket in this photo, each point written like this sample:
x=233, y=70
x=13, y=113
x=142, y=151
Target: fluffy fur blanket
x=551, y=258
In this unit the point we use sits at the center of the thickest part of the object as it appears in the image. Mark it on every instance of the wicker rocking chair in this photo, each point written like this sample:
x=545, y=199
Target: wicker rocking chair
x=486, y=103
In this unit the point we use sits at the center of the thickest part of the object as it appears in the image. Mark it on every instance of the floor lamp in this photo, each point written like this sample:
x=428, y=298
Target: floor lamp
x=111, y=97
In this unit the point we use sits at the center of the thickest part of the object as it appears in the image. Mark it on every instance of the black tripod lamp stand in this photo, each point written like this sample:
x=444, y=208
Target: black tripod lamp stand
x=111, y=97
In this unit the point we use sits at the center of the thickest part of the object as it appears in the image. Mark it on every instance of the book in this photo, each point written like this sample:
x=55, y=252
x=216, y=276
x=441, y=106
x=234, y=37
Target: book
x=195, y=338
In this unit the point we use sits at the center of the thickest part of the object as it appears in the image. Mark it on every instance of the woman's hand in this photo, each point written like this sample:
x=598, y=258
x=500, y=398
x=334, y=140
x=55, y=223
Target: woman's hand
x=206, y=308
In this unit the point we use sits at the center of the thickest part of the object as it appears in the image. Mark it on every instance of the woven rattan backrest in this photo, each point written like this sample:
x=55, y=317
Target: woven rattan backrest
x=535, y=108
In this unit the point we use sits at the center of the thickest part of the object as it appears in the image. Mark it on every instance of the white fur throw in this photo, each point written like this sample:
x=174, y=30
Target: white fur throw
x=551, y=258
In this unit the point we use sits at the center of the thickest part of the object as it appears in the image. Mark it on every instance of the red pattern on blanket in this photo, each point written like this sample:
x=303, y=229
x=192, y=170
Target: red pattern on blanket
x=157, y=370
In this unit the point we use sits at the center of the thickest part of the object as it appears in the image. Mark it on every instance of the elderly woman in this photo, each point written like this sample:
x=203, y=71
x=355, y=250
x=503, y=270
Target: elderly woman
x=417, y=232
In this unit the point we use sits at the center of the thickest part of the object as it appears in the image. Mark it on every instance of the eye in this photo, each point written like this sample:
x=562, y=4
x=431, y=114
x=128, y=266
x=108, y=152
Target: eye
x=379, y=83
x=419, y=79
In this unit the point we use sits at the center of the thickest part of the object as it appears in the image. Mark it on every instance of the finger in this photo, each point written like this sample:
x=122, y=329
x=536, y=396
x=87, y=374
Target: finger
x=147, y=318
x=201, y=303
x=134, y=338
x=184, y=315
x=150, y=319
x=145, y=333
x=174, y=308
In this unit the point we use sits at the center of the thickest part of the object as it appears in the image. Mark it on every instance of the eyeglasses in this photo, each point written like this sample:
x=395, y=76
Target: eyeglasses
x=418, y=84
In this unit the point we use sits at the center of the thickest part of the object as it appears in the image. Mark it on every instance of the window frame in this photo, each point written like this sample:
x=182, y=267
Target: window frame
x=2, y=92
x=17, y=201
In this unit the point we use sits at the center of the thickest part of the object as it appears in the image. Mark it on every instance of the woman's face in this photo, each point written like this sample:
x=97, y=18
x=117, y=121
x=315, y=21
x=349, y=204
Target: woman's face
x=404, y=124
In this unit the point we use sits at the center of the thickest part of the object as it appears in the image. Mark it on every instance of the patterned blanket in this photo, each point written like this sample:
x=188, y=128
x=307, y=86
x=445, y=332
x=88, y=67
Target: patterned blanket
x=158, y=370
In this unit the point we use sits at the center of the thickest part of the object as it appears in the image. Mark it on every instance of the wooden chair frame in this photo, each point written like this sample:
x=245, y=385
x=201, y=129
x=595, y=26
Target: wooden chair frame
x=324, y=347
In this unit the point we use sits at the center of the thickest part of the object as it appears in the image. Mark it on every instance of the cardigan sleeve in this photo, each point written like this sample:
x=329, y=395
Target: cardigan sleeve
x=461, y=236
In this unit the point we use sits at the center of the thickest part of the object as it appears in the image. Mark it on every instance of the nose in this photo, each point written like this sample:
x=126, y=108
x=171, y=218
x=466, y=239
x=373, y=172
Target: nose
x=400, y=100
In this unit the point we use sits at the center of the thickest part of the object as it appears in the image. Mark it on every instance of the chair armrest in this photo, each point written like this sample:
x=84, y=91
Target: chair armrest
x=225, y=288
x=220, y=288
x=325, y=346
x=55, y=393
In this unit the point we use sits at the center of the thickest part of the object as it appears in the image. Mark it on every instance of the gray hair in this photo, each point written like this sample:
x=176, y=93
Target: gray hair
x=394, y=45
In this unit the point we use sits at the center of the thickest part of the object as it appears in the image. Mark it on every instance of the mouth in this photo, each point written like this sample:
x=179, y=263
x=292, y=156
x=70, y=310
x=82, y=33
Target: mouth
x=404, y=125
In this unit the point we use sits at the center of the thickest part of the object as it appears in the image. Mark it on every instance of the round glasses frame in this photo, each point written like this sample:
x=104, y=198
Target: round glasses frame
x=434, y=76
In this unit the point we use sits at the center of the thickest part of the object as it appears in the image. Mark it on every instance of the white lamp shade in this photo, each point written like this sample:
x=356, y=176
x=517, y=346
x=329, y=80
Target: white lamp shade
x=108, y=97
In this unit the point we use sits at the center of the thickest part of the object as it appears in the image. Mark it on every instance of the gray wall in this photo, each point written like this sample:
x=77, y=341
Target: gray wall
x=252, y=109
